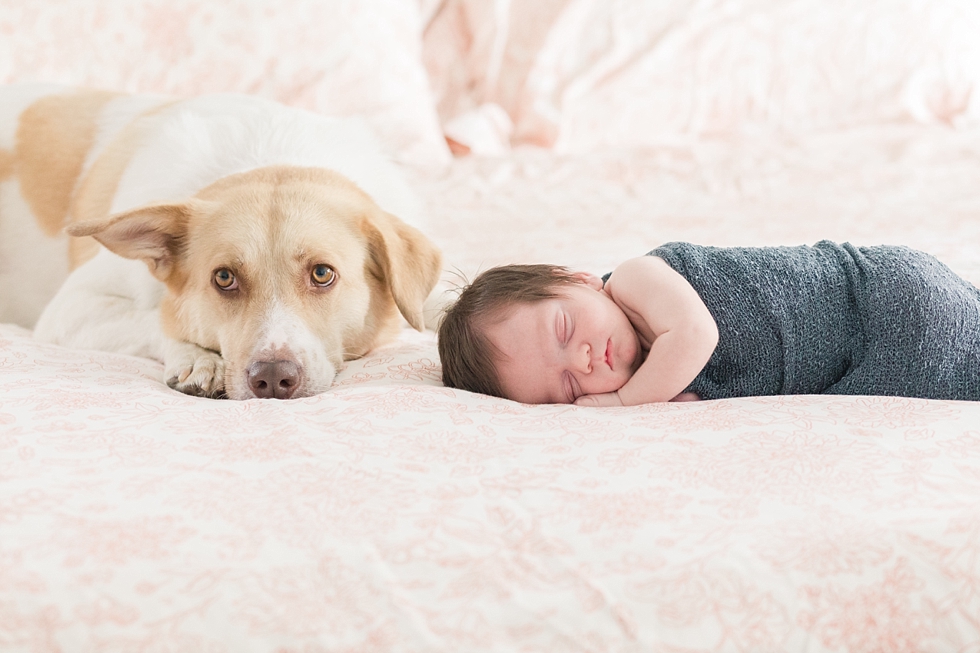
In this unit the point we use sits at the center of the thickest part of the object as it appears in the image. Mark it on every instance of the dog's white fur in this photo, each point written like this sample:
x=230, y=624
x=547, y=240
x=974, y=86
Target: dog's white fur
x=166, y=186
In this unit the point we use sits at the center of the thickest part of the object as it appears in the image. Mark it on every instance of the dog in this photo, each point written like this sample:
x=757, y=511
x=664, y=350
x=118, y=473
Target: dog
x=249, y=246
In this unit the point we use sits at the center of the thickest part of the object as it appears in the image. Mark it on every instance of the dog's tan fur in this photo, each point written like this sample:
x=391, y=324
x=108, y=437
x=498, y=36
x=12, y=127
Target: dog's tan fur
x=54, y=136
x=6, y=164
x=94, y=193
x=270, y=225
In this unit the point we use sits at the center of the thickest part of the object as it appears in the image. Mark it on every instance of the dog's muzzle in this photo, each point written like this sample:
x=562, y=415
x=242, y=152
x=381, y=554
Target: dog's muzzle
x=276, y=379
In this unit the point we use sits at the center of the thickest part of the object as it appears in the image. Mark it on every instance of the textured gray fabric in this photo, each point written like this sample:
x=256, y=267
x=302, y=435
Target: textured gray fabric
x=833, y=319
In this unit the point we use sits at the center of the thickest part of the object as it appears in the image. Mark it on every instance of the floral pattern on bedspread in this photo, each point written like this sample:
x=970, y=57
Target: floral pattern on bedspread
x=392, y=514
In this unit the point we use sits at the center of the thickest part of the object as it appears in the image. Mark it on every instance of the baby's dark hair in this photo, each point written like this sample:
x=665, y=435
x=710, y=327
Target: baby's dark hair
x=468, y=357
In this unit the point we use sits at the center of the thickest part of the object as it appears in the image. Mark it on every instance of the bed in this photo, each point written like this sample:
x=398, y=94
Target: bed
x=394, y=514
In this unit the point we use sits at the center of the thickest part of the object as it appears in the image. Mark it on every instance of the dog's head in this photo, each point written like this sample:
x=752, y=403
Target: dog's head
x=285, y=271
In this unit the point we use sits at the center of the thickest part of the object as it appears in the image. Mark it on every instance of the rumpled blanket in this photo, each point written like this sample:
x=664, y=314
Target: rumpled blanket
x=833, y=319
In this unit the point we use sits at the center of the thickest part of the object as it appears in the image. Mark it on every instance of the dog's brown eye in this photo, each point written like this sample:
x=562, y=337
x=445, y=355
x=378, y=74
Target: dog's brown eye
x=323, y=275
x=225, y=279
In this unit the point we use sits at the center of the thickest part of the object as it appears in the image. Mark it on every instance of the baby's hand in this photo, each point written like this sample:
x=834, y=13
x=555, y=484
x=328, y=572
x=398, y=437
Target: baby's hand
x=599, y=401
x=686, y=396
x=612, y=399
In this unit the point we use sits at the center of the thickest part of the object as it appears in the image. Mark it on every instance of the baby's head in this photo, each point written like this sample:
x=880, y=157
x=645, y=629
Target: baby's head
x=536, y=334
x=469, y=357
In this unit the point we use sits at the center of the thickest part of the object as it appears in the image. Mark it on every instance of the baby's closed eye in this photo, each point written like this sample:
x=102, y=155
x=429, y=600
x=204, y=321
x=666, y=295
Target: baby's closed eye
x=564, y=330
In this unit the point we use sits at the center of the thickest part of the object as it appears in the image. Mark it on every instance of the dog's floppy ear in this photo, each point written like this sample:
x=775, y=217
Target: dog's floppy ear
x=406, y=260
x=153, y=234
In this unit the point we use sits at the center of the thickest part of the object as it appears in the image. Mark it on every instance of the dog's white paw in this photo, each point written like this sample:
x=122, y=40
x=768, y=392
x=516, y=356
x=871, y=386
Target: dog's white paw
x=195, y=371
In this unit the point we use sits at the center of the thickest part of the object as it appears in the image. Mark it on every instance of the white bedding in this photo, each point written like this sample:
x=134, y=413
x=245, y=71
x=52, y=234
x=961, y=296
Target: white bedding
x=394, y=515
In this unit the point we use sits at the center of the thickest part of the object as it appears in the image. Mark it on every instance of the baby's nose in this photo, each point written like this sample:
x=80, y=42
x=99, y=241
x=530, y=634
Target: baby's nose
x=583, y=358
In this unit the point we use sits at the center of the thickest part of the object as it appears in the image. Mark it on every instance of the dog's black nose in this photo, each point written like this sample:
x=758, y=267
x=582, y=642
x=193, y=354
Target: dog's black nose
x=273, y=379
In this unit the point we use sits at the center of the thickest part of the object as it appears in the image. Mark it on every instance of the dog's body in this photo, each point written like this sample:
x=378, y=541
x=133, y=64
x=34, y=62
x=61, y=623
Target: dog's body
x=249, y=246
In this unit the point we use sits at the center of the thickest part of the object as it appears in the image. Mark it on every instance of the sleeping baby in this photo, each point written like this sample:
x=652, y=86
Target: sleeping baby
x=689, y=322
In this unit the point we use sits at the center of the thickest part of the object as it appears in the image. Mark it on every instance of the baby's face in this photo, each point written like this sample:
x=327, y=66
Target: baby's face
x=557, y=350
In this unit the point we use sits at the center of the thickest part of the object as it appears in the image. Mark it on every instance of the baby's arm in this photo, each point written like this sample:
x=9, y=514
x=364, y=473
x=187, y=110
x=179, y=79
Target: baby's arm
x=668, y=313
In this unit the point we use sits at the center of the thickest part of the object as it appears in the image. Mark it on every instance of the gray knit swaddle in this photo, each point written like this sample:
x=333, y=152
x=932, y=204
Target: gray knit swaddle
x=833, y=319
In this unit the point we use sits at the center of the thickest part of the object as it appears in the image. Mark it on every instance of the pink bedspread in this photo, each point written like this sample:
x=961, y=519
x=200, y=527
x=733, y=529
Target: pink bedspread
x=392, y=514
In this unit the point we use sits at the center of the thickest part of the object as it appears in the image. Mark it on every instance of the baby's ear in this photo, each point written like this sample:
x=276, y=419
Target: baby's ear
x=589, y=279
